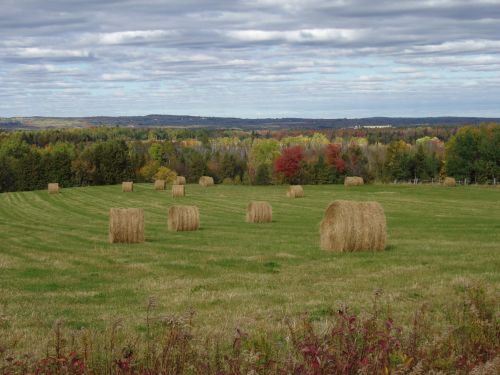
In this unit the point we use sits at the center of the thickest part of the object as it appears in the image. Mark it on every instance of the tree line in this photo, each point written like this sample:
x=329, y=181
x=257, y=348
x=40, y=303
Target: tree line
x=101, y=156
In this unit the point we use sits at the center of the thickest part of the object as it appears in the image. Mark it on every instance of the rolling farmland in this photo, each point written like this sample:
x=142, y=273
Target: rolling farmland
x=56, y=262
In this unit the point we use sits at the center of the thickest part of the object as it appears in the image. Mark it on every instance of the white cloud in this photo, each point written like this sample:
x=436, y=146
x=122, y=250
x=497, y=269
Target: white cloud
x=405, y=70
x=47, y=68
x=373, y=78
x=35, y=52
x=126, y=37
x=455, y=61
x=121, y=76
x=298, y=36
x=193, y=57
x=266, y=78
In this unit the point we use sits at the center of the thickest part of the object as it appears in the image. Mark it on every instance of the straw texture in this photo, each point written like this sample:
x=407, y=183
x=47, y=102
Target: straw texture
x=353, y=181
x=53, y=188
x=178, y=191
x=259, y=212
x=127, y=187
x=353, y=226
x=183, y=218
x=126, y=225
x=295, y=191
x=206, y=181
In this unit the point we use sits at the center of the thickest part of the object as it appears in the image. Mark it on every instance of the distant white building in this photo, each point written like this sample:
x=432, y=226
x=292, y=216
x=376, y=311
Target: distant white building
x=372, y=126
x=377, y=126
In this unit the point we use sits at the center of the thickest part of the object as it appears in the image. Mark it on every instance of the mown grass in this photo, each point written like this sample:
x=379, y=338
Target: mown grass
x=56, y=262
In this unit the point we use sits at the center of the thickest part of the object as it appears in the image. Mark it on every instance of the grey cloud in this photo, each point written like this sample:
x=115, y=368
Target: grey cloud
x=160, y=56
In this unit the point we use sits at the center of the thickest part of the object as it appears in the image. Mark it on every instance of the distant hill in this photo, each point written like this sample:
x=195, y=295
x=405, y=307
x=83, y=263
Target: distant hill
x=232, y=122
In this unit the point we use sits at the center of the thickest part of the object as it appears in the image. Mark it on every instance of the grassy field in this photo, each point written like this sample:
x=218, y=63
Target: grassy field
x=56, y=262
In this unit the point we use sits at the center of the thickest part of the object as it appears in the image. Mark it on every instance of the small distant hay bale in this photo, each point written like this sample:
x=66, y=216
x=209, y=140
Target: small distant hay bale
x=295, y=191
x=178, y=191
x=183, y=218
x=53, y=188
x=353, y=181
x=127, y=187
x=126, y=225
x=259, y=212
x=449, y=182
x=206, y=181
x=353, y=226
x=160, y=184
x=180, y=180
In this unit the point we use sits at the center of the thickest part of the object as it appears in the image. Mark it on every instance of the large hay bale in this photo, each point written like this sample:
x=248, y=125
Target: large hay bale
x=127, y=187
x=180, y=180
x=295, y=191
x=450, y=182
x=183, y=218
x=206, y=181
x=126, y=225
x=178, y=191
x=160, y=184
x=259, y=212
x=353, y=181
x=353, y=226
x=53, y=188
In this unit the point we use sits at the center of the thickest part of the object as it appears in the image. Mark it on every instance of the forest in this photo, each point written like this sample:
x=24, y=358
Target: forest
x=103, y=155
x=155, y=121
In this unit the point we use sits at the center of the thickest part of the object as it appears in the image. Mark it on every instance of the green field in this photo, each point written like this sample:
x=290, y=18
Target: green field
x=56, y=262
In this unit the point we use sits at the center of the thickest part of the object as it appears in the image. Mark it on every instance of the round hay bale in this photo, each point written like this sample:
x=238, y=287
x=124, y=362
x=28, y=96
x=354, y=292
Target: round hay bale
x=353, y=181
x=259, y=212
x=160, y=184
x=178, y=191
x=353, y=226
x=53, y=188
x=126, y=225
x=180, y=180
x=127, y=187
x=206, y=181
x=183, y=218
x=449, y=182
x=295, y=191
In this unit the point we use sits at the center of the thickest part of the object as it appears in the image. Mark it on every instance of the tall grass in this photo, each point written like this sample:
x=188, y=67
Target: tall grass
x=370, y=343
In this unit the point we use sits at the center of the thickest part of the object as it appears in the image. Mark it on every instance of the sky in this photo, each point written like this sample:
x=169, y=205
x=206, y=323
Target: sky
x=250, y=58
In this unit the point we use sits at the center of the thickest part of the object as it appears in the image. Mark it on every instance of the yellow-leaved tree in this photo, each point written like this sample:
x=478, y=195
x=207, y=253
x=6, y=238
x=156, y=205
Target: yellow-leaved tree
x=149, y=169
x=166, y=174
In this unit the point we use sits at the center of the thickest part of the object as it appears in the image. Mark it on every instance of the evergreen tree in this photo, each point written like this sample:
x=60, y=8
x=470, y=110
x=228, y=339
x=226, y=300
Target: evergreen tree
x=263, y=175
x=462, y=153
x=321, y=171
x=420, y=170
x=197, y=167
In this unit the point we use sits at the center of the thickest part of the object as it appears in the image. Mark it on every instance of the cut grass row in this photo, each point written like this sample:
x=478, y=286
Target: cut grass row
x=56, y=262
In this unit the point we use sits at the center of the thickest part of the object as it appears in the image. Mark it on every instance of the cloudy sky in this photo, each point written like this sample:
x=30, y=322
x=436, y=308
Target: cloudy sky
x=250, y=58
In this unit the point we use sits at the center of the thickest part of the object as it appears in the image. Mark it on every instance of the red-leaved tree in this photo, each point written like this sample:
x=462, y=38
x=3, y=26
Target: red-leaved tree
x=288, y=162
x=333, y=155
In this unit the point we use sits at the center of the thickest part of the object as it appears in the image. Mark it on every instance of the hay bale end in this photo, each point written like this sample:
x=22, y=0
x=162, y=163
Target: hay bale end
x=449, y=182
x=206, y=181
x=53, y=188
x=160, y=184
x=127, y=186
x=295, y=191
